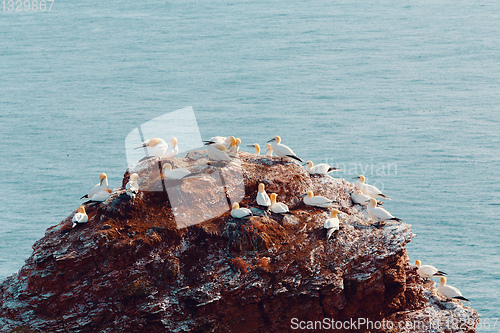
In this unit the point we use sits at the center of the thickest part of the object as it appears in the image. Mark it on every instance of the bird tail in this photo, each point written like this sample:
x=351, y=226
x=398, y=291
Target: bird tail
x=295, y=157
x=333, y=169
x=384, y=196
x=439, y=273
x=461, y=298
x=396, y=219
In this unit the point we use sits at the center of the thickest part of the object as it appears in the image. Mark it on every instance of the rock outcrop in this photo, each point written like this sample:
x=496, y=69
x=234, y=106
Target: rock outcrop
x=150, y=265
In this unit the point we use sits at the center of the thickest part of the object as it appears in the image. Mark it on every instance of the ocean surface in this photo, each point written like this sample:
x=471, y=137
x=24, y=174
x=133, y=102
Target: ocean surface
x=406, y=93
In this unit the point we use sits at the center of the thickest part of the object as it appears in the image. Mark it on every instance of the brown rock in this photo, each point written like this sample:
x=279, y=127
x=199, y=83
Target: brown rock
x=143, y=264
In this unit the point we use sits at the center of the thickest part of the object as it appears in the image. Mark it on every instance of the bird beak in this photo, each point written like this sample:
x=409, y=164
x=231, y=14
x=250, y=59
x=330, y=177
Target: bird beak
x=355, y=177
x=303, y=195
x=253, y=146
x=367, y=201
x=304, y=163
x=273, y=139
x=208, y=142
x=141, y=146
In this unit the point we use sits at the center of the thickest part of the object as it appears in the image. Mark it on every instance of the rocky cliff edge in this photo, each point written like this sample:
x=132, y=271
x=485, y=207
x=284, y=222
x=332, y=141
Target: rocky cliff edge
x=139, y=266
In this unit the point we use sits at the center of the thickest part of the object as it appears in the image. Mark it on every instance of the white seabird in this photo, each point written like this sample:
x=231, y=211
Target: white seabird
x=278, y=207
x=103, y=184
x=132, y=187
x=269, y=150
x=155, y=147
x=172, y=150
x=216, y=152
x=428, y=271
x=262, y=197
x=257, y=148
x=360, y=198
x=102, y=195
x=238, y=212
x=174, y=174
x=332, y=224
x=369, y=190
x=234, y=148
x=317, y=201
x=80, y=216
x=319, y=169
x=449, y=291
x=282, y=150
x=225, y=141
x=378, y=213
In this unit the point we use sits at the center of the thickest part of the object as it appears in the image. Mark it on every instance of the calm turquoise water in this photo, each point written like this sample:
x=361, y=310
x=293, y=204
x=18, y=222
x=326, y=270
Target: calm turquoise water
x=406, y=93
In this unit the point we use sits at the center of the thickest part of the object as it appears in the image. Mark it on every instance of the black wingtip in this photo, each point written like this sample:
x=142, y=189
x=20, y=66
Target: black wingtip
x=295, y=157
x=439, y=273
x=85, y=196
x=461, y=298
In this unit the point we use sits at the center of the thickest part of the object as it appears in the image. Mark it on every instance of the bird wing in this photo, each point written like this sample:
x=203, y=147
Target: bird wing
x=94, y=190
x=177, y=173
x=100, y=196
x=320, y=200
x=427, y=270
x=382, y=214
x=449, y=291
x=321, y=168
x=331, y=223
x=263, y=199
x=372, y=190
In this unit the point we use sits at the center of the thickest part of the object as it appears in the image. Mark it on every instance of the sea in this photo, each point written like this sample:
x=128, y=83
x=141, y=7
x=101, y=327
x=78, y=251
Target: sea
x=405, y=92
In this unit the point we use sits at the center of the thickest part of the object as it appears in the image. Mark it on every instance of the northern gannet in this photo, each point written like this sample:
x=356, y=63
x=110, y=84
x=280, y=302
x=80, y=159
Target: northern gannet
x=172, y=150
x=226, y=141
x=174, y=174
x=369, y=190
x=278, y=207
x=427, y=271
x=238, y=212
x=234, y=148
x=155, y=147
x=103, y=184
x=360, y=198
x=132, y=187
x=282, y=150
x=262, y=197
x=319, y=169
x=269, y=150
x=216, y=152
x=332, y=224
x=449, y=291
x=378, y=213
x=318, y=201
x=257, y=148
x=80, y=216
